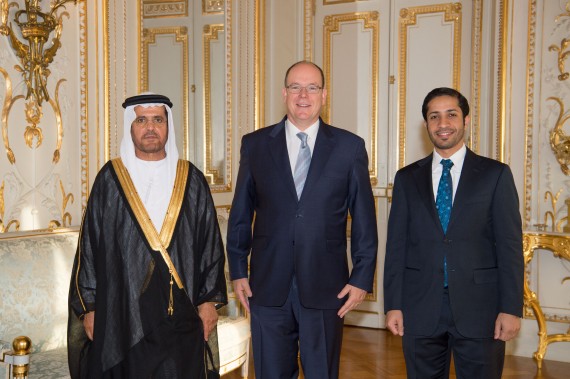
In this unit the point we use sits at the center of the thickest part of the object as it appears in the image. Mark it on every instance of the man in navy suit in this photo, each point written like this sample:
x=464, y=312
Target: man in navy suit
x=454, y=280
x=300, y=287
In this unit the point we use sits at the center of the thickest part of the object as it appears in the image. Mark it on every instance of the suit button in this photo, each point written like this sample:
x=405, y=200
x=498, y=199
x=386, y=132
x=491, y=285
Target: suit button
x=446, y=241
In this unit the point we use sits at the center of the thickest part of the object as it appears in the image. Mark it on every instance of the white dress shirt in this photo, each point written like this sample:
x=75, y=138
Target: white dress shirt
x=437, y=168
x=294, y=142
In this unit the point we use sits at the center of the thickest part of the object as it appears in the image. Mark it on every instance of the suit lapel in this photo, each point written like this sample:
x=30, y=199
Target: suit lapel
x=324, y=145
x=278, y=150
x=424, y=184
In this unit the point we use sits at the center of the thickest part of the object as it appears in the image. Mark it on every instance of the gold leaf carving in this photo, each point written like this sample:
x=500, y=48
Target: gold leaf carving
x=559, y=141
x=562, y=55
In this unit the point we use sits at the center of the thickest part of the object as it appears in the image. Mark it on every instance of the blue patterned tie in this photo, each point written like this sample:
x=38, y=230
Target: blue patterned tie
x=302, y=165
x=444, y=202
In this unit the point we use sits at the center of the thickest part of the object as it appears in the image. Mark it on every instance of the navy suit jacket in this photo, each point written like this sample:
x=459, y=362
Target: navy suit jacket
x=305, y=238
x=483, y=246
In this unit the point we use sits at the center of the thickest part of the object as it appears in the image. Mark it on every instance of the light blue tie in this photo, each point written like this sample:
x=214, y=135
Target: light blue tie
x=444, y=202
x=302, y=165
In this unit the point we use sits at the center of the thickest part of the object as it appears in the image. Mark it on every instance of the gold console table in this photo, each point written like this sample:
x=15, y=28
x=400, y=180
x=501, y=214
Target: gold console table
x=559, y=244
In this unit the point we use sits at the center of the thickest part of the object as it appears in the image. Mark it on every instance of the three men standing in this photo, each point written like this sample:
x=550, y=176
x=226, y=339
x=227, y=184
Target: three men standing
x=150, y=258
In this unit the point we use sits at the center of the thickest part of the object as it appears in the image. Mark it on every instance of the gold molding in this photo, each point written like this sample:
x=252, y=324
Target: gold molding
x=559, y=245
x=227, y=185
x=502, y=79
x=83, y=106
x=332, y=25
x=212, y=7
x=259, y=64
x=210, y=34
x=164, y=8
x=308, y=19
x=218, y=182
x=118, y=63
x=408, y=17
x=181, y=35
x=334, y=2
x=529, y=111
x=107, y=83
x=476, y=49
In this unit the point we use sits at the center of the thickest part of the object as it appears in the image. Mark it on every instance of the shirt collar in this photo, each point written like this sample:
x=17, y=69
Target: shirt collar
x=292, y=130
x=457, y=158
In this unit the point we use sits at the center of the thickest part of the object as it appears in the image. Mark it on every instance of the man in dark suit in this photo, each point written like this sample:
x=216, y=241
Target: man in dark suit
x=454, y=261
x=300, y=287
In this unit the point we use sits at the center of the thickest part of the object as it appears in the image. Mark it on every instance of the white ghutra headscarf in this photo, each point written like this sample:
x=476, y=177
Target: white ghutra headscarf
x=153, y=180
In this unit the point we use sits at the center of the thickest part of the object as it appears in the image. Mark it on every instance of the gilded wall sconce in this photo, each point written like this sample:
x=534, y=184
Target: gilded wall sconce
x=28, y=39
x=35, y=27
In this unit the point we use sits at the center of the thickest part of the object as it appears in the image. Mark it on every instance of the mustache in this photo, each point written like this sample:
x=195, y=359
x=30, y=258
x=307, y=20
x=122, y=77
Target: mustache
x=150, y=134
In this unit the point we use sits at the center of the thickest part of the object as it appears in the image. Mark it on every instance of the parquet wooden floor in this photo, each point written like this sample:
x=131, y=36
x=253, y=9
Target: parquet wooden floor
x=377, y=354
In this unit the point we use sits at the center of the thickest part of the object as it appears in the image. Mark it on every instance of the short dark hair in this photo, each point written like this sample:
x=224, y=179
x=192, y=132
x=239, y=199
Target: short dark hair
x=306, y=62
x=445, y=91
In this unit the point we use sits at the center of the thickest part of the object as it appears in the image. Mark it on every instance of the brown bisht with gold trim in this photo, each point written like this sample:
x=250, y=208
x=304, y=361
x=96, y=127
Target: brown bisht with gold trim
x=145, y=286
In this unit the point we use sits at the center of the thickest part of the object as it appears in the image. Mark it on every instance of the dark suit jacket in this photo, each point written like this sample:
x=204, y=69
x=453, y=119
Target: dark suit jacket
x=483, y=246
x=305, y=238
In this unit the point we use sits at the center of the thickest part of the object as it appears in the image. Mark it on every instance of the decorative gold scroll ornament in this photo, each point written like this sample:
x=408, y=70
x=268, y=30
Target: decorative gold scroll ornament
x=562, y=56
x=65, y=216
x=35, y=27
x=33, y=115
x=559, y=141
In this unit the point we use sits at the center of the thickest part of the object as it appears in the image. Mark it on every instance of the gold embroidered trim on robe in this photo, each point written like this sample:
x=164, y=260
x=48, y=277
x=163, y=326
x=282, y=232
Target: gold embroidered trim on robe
x=157, y=242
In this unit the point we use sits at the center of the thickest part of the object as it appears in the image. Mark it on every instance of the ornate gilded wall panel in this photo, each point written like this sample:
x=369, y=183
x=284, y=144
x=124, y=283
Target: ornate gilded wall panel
x=164, y=61
x=121, y=68
x=214, y=115
x=43, y=167
x=446, y=51
x=547, y=161
x=190, y=60
x=350, y=62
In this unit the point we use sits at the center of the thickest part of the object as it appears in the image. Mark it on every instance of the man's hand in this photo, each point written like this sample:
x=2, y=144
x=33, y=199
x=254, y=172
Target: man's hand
x=243, y=291
x=355, y=297
x=209, y=317
x=88, y=324
x=395, y=322
x=507, y=326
